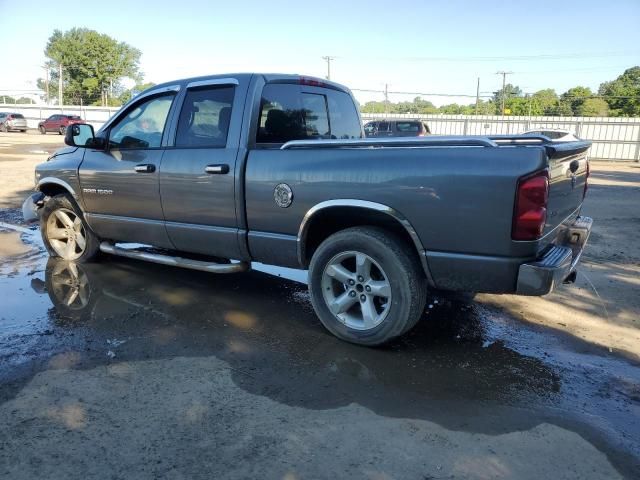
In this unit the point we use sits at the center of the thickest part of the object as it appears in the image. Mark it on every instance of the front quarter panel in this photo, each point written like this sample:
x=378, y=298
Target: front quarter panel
x=62, y=169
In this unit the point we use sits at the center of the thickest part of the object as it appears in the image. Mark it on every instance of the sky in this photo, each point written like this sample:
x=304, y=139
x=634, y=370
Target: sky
x=432, y=47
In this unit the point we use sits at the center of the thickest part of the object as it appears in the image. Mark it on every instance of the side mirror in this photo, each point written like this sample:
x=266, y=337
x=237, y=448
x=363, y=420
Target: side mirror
x=82, y=135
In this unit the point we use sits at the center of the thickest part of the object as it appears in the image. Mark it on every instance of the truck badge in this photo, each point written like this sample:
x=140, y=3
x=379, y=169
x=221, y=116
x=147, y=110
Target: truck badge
x=283, y=195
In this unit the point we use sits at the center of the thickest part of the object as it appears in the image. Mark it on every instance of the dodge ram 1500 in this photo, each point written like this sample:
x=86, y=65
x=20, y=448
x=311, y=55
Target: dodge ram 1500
x=216, y=172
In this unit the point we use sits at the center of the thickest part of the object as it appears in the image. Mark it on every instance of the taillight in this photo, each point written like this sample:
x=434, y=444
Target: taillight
x=586, y=180
x=530, y=212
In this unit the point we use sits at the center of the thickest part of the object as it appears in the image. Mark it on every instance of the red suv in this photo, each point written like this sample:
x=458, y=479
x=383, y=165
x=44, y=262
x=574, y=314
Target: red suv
x=58, y=123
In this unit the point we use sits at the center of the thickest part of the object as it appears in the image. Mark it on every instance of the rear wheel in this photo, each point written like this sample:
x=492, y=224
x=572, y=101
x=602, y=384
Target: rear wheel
x=61, y=130
x=3, y=128
x=65, y=232
x=43, y=130
x=366, y=286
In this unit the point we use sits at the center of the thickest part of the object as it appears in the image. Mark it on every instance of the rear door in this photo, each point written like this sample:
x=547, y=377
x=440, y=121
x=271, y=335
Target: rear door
x=120, y=186
x=198, y=170
x=52, y=123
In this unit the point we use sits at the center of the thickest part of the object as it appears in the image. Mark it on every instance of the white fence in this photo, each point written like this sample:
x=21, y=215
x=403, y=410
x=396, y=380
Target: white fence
x=614, y=138
x=96, y=116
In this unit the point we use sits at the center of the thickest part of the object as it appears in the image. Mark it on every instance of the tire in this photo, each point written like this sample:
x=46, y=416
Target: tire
x=388, y=301
x=69, y=288
x=43, y=130
x=61, y=130
x=3, y=128
x=65, y=232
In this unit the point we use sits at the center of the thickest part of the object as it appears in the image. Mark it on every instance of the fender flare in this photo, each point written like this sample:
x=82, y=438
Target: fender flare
x=365, y=204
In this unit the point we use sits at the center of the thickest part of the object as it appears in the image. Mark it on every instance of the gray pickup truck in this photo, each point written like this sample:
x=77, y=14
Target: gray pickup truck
x=213, y=173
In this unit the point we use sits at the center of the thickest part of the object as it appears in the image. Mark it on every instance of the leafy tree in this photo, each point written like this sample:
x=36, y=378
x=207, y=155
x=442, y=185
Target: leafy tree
x=92, y=65
x=546, y=101
x=623, y=93
x=510, y=91
x=576, y=97
x=594, y=107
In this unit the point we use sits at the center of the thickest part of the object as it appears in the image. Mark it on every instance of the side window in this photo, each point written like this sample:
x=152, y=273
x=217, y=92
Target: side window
x=383, y=127
x=288, y=112
x=314, y=114
x=343, y=116
x=142, y=127
x=205, y=116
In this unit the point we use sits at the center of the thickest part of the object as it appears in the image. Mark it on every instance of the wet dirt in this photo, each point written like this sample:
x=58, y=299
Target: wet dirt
x=467, y=368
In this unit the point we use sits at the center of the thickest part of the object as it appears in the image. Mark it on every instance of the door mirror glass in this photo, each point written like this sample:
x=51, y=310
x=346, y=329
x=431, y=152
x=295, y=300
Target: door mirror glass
x=79, y=135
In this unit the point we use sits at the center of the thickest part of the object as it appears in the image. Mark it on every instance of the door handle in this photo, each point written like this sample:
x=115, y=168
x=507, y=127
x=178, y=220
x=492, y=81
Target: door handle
x=145, y=168
x=220, y=169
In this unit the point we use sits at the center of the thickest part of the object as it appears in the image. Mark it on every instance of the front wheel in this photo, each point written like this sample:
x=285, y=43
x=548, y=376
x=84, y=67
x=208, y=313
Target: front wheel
x=65, y=232
x=366, y=286
x=3, y=128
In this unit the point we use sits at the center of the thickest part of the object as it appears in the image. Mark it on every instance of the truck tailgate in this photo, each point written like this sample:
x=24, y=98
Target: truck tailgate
x=568, y=171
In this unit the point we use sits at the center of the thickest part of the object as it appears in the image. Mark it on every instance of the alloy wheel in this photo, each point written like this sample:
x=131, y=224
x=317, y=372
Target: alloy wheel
x=66, y=234
x=356, y=290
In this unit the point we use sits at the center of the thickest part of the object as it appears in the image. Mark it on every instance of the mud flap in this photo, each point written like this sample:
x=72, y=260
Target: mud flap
x=30, y=207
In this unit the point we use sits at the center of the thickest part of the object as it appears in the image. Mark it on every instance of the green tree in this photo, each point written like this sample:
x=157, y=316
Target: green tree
x=594, y=107
x=92, y=65
x=623, y=93
x=510, y=91
x=575, y=98
x=546, y=101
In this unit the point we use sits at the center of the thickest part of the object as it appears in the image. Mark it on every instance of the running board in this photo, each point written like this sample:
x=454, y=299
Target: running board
x=138, y=254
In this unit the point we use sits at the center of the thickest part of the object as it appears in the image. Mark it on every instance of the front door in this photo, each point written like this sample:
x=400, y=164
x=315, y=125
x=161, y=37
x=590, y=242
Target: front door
x=197, y=176
x=120, y=186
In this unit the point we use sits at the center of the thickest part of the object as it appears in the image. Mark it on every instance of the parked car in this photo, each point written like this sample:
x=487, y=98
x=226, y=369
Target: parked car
x=58, y=123
x=12, y=121
x=555, y=135
x=274, y=169
x=396, y=128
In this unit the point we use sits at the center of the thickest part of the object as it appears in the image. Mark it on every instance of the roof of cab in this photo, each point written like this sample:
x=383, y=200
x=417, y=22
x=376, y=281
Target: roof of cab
x=269, y=78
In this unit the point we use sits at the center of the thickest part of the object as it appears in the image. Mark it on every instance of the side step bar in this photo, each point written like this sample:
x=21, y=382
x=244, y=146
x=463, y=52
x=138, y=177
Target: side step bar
x=138, y=254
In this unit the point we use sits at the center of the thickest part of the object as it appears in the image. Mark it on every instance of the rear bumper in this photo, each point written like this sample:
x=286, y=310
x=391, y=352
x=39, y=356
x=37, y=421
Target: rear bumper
x=557, y=263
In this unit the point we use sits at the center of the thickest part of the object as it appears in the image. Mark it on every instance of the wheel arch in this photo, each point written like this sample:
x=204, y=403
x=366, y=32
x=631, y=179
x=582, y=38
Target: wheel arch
x=331, y=216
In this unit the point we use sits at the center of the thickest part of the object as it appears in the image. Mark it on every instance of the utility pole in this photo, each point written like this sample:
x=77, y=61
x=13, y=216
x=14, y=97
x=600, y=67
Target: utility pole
x=477, y=95
x=504, y=84
x=328, y=60
x=46, y=80
x=60, y=85
x=386, y=98
x=504, y=81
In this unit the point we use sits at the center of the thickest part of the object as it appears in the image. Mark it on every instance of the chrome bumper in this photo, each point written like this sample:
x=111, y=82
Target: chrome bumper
x=558, y=263
x=30, y=207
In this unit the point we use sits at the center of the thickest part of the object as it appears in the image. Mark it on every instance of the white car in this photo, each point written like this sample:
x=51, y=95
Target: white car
x=555, y=135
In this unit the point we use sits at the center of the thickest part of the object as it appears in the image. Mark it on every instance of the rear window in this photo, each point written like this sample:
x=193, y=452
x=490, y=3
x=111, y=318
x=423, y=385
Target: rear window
x=291, y=112
x=408, y=126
